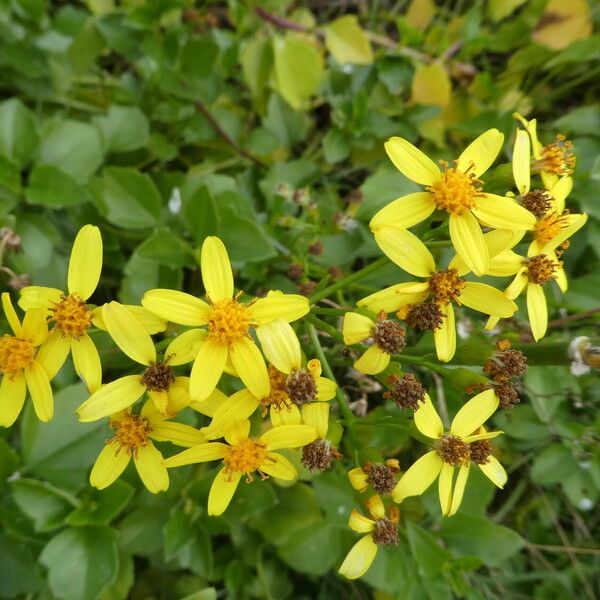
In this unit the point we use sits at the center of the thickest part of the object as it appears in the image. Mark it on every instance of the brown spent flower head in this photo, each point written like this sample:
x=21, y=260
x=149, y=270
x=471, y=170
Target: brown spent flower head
x=405, y=391
x=507, y=392
x=453, y=450
x=426, y=316
x=385, y=532
x=301, y=387
x=506, y=361
x=158, y=377
x=389, y=335
x=541, y=269
x=10, y=240
x=316, y=248
x=381, y=477
x=537, y=202
x=295, y=271
x=480, y=451
x=306, y=288
x=318, y=455
x=446, y=286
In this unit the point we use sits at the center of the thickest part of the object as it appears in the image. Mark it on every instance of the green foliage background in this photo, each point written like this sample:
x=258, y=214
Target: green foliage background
x=163, y=122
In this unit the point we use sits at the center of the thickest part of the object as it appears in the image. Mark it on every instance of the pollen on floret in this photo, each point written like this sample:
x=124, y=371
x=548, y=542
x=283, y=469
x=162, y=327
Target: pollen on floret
x=245, y=457
x=229, y=321
x=158, y=377
x=537, y=202
x=455, y=191
x=557, y=158
x=549, y=226
x=15, y=355
x=131, y=433
x=426, y=316
x=446, y=286
x=541, y=269
x=278, y=396
x=71, y=316
x=388, y=335
x=453, y=450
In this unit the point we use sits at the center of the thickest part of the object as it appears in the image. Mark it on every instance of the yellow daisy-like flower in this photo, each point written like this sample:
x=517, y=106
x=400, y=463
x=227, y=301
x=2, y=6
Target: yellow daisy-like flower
x=428, y=305
x=553, y=222
x=157, y=379
x=71, y=316
x=24, y=366
x=244, y=455
x=380, y=530
x=554, y=161
x=228, y=322
x=133, y=439
x=387, y=335
x=455, y=190
x=463, y=444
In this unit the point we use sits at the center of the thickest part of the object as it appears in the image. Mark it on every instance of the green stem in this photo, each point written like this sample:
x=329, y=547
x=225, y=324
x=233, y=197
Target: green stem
x=339, y=394
x=332, y=331
x=342, y=283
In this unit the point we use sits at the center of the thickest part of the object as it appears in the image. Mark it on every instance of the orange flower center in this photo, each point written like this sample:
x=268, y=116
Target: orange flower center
x=71, y=316
x=246, y=456
x=278, y=397
x=557, y=158
x=549, y=226
x=446, y=286
x=541, y=269
x=229, y=321
x=455, y=192
x=131, y=432
x=15, y=355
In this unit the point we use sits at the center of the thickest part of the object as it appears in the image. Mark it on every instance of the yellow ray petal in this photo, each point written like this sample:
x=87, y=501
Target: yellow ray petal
x=177, y=433
x=406, y=250
x=53, y=353
x=501, y=212
x=486, y=435
x=276, y=305
x=278, y=466
x=280, y=345
x=286, y=415
x=34, y=296
x=375, y=506
x=459, y=489
x=197, y=454
x=373, y=361
x=207, y=369
x=521, y=161
x=250, y=366
x=111, y=462
x=34, y=328
x=288, y=436
x=445, y=487
x=238, y=406
x=479, y=155
x=559, y=191
x=573, y=223
x=128, y=333
x=87, y=362
x=177, y=307
x=487, y=299
x=149, y=465
x=326, y=389
x=316, y=414
x=238, y=431
x=11, y=315
x=427, y=419
x=517, y=285
x=12, y=398
x=504, y=264
x=393, y=298
x=404, y=212
x=474, y=413
x=221, y=492
x=85, y=263
x=467, y=238
x=111, y=398
x=495, y=472
x=185, y=347
x=561, y=279
x=358, y=479
x=418, y=477
x=445, y=336
x=359, y=559
x=216, y=270
x=356, y=328
x=360, y=523
x=537, y=310
x=40, y=391
x=411, y=162
x=210, y=404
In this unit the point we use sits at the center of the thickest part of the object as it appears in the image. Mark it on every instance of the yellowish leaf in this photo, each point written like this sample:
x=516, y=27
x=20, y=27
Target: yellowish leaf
x=420, y=13
x=348, y=42
x=500, y=9
x=431, y=85
x=562, y=23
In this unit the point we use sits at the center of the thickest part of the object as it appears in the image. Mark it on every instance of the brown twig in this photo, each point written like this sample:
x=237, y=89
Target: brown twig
x=200, y=106
x=563, y=549
x=575, y=317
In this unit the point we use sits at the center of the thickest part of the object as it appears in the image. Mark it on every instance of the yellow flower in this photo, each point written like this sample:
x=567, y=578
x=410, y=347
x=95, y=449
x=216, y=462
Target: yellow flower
x=554, y=161
x=244, y=455
x=71, y=316
x=380, y=530
x=228, y=321
x=463, y=444
x=133, y=439
x=553, y=222
x=157, y=379
x=387, y=336
x=456, y=190
x=431, y=301
x=24, y=366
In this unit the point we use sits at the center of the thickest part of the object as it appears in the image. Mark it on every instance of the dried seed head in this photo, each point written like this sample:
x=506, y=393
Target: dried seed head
x=453, y=450
x=480, y=451
x=318, y=455
x=316, y=248
x=507, y=392
x=385, y=533
x=506, y=361
x=301, y=387
x=158, y=377
x=405, y=391
x=295, y=271
x=537, y=202
x=425, y=316
x=381, y=476
x=389, y=335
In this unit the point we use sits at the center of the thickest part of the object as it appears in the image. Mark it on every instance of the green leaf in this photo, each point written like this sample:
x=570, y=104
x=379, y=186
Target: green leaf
x=9, y=461
x=257, y=61
x=348, y=42
x=209, y=593
x=10, y=174
x=125, y=128
x=165, y=247
x=335, y=495
x=392, y=571
x=102, y=506
x=120, y=587
x=547, y=389
x=128, y=198
x=19, y=137
x=20, y=575
x=426, y=551
x=141, y=531
x=199, y=214
x=49, y=186
x=197, y=553
x=74, y=147
x=81, y=562
x=480, y=537
x=336, y=146
x=553, y=465
x=298, y=69
x=44, y=504
x=580, y=121
x=288, y=125
x=314, y=549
